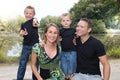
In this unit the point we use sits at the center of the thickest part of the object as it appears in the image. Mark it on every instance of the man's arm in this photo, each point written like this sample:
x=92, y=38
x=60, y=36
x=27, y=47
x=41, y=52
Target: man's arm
x=106, y=67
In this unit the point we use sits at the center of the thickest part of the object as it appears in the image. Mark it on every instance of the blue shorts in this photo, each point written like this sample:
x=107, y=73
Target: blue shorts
x=68, y=62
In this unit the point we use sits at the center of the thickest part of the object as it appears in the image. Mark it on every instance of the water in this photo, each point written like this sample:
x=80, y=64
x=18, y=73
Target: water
x=15, y=50
x=11, y=45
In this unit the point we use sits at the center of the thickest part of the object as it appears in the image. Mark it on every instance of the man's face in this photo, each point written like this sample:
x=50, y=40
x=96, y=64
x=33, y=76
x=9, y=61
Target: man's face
x=82, y=28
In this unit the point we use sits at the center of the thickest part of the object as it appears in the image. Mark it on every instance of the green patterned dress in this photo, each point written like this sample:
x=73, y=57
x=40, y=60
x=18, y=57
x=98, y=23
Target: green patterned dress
x=49, y=68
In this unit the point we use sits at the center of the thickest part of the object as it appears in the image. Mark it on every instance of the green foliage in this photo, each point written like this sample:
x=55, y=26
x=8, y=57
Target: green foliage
x=13, y=59
x=6, y=43
x=48, y=19
x=6, y=59
x=12, y=25
x=103, y=10
x=2, y=57
x=114, y=52
x=111, y=42
x=98, y=26
x=2, y=25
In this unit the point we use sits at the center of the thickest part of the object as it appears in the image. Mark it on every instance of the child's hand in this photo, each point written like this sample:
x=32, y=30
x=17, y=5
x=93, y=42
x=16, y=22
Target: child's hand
x=60, y=39
x=42, y=43
x=74, y=41
x=35, y=22
x=26, y=33
x=23, y=32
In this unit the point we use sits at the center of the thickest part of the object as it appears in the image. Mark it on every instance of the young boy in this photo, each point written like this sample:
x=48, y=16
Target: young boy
x=29, y=32
x=68, y=57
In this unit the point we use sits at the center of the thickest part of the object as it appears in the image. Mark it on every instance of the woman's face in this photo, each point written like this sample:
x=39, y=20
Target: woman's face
x=51, y=34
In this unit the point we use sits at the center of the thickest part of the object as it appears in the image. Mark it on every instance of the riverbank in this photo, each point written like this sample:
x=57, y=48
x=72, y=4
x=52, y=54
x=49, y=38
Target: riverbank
x=9, y=71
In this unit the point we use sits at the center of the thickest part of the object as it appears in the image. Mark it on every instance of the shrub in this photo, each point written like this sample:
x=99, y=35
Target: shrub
x=98, y=26
x=111, y=42
x=3, y=58
x=114, y=52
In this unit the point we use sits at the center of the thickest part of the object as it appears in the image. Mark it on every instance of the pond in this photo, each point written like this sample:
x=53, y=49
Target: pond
x=11, y=45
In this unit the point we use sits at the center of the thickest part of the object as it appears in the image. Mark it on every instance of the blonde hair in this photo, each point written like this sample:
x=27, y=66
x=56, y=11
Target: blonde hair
x=64, y=15
x=30, y=7
x=46, y=29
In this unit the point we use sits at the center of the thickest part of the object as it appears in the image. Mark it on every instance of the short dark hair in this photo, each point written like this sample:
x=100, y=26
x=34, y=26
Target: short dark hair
x=88, y=21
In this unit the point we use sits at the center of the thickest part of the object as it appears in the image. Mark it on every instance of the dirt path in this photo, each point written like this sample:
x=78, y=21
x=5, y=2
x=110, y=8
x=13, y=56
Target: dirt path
x=8, y=72
x=115, y=69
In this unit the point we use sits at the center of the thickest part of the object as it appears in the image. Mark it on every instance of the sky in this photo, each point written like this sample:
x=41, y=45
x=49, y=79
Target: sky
x=13, y=8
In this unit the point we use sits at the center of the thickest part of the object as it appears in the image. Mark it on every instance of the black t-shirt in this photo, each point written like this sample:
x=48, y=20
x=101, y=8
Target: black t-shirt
x=87, y=56
x=67, y=35
x=32, y=36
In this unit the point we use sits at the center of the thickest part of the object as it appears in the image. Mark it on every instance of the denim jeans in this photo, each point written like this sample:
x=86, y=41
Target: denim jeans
x=80, y=76
x=26, y=51
x=68, y=62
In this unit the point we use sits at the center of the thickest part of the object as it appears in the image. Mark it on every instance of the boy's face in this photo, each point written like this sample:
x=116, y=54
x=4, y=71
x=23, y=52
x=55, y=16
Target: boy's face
x=29, y=14
x=66, y=21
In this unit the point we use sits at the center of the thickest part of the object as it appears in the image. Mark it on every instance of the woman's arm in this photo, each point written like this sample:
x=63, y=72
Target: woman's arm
x=33, y=66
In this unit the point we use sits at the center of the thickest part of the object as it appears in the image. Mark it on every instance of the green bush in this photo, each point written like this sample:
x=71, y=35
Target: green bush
x=3, y=58
x=6, y=59
x=114, y=52
x=111, y=43
x=98, y=26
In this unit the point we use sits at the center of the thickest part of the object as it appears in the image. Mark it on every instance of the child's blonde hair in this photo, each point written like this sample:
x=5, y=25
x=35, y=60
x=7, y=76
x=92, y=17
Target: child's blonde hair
x=64, y=15
x=30, y=7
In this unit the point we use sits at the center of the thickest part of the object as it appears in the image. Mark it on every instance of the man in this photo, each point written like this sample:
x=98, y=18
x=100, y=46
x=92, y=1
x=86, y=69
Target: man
x=90, y=52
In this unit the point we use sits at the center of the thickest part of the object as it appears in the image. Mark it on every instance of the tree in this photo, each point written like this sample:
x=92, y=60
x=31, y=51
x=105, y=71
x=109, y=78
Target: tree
x=48, y=19
x=14, y=24
x=103, y=10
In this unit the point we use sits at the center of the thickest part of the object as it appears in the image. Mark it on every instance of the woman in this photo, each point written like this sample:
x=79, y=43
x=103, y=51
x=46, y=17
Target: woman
x=48, y=55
